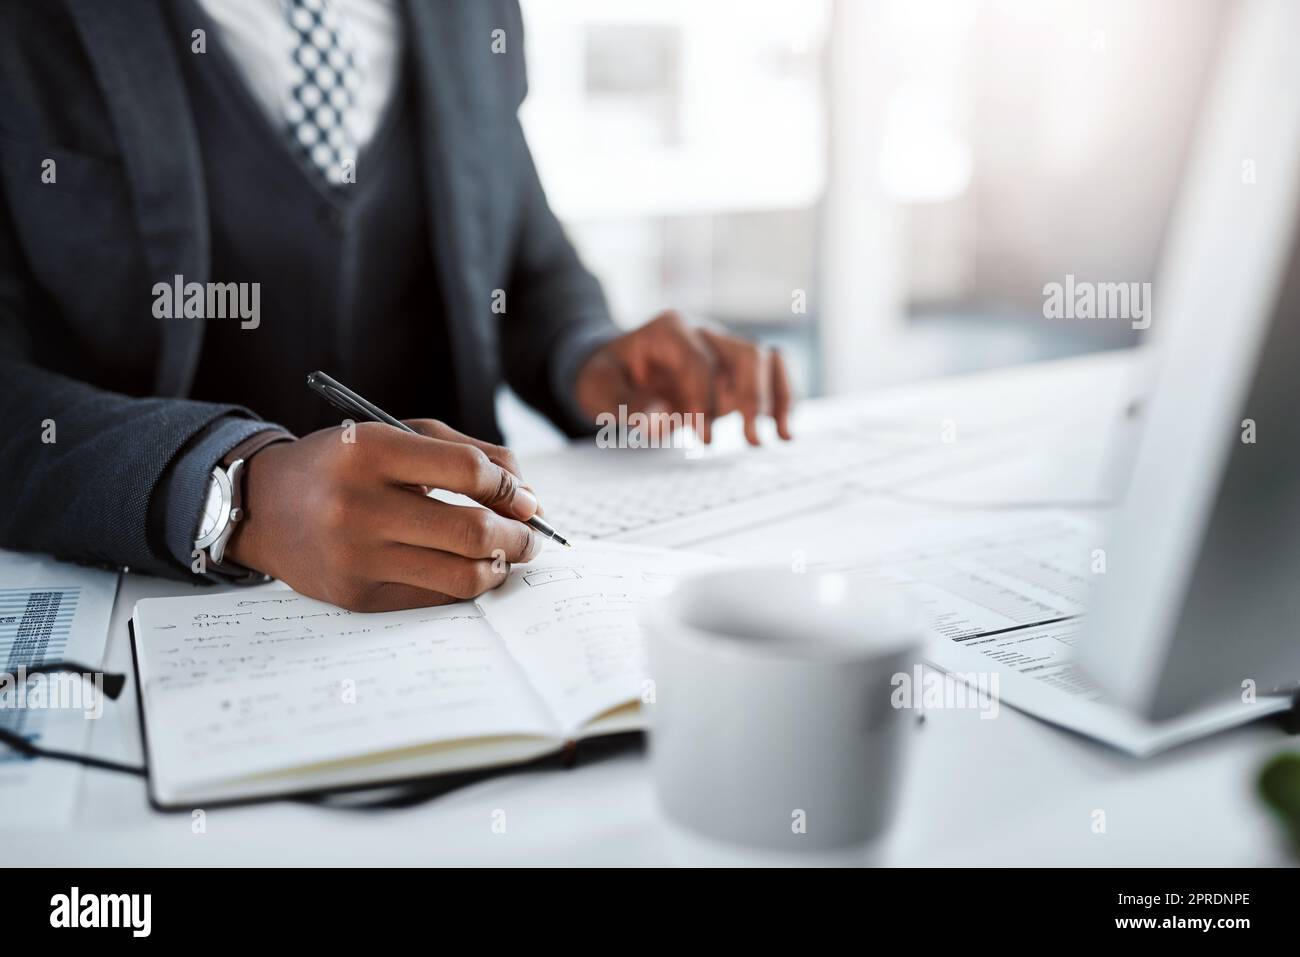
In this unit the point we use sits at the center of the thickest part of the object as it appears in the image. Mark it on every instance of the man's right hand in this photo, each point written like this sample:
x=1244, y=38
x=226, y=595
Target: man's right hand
x=348, y=523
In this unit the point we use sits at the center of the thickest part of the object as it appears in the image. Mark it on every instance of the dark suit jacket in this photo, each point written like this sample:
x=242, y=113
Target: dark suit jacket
x=96, y=86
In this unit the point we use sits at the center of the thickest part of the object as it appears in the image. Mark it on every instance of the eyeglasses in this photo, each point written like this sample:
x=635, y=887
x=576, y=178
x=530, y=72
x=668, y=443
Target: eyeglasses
x=111, y=684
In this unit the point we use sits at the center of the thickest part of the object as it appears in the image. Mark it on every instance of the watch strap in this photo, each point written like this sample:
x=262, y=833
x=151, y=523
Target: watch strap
x=245, y=450
x=254, y=444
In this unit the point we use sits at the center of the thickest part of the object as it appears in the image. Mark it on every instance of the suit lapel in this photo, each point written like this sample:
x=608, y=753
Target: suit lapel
x=134, y=56
x=441, y=37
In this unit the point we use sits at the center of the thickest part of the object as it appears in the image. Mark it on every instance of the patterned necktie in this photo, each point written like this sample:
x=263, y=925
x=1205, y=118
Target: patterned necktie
x=326, y=78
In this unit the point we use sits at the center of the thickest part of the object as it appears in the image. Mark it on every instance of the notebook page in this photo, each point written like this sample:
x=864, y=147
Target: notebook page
x=570, y=619
x=236, y=684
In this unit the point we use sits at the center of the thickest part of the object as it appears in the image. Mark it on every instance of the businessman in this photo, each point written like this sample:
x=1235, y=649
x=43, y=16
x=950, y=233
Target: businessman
x=203, y=200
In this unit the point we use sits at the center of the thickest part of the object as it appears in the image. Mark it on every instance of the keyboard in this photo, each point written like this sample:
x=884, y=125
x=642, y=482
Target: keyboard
x=666, y=497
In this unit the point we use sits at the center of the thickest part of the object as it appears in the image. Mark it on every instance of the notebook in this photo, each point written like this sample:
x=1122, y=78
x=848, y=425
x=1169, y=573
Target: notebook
x=248, y=695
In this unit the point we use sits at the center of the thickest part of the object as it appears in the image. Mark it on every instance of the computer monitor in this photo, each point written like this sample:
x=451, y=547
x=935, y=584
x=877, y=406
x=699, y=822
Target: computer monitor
x=1201, y=596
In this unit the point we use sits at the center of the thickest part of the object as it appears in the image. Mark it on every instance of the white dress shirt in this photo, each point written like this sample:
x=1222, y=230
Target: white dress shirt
x=260, y=40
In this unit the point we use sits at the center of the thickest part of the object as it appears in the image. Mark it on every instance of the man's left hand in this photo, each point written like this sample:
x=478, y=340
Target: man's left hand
x=669, y=366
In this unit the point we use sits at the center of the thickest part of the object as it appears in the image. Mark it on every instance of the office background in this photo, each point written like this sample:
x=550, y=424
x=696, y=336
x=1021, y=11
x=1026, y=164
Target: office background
x=882, y=189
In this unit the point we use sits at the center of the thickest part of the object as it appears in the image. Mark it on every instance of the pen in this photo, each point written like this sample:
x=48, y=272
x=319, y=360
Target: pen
x=345, y=399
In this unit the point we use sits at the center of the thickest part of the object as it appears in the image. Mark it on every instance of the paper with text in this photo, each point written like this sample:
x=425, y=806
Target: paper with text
x=1009, y=598
x=238, y=684
x=49, y=611
x=570, y=619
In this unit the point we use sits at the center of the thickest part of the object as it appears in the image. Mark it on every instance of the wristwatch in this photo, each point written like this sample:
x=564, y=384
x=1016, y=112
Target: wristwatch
x=223, y=505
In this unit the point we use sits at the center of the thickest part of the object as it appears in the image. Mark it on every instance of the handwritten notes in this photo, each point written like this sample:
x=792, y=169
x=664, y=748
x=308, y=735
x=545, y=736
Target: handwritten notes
x=570, y=619
x=247, y=684
x=240, y=684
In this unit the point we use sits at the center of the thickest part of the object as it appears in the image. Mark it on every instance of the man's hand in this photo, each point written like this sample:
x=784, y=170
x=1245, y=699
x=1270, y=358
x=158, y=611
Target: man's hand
x=668, y=366
x=347, y=522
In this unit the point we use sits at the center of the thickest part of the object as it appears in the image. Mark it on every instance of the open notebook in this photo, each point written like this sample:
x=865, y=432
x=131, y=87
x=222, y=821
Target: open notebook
x=248, y=695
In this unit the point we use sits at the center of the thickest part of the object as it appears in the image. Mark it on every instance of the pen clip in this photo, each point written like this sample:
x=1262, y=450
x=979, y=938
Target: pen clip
x=322, y=384
x=345, y=399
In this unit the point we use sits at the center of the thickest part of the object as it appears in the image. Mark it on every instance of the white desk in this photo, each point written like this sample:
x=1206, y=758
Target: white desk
x=1005, y=791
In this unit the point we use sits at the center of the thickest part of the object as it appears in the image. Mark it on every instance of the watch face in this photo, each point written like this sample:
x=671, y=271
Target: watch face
x=215, y=507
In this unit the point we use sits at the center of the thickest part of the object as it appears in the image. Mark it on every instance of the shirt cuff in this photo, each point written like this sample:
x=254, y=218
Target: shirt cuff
x=566, y=361
x=184, y=486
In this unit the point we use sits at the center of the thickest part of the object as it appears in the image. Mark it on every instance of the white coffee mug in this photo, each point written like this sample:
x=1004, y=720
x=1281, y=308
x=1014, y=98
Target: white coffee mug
x=771, y=723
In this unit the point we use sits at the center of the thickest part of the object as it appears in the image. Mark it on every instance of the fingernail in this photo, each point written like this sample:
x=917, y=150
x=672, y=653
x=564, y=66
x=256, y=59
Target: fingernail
x=524, y=504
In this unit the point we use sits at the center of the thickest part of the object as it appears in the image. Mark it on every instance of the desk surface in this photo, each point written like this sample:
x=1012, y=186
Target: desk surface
x=1006, y=791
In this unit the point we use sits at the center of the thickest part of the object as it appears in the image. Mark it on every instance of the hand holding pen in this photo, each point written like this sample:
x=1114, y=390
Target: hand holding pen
x=338, y=520
x=348, y=401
